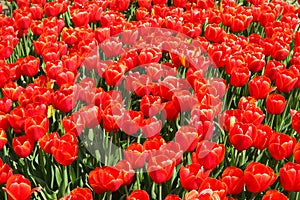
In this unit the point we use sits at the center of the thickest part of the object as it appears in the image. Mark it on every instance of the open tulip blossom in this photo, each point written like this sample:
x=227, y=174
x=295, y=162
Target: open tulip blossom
x=149, y=99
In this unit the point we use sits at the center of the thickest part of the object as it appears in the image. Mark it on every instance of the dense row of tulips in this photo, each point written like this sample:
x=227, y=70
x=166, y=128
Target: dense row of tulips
x=150, y=99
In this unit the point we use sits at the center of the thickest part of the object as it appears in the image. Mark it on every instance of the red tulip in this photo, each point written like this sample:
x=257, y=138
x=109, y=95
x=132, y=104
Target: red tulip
x=95, y=10
x=69, y=36
x=297, y=153
x=114, y=73
x=149, y=55
x=151, y=127
x=53, y=9
x=296, y=70
x=142, y=13
x=23, y=3
x=136, y=155
x=253, y=114
x=258, y=177
x=22, y=146
x=3, y=138
x=127, y=172
x=65, y=149
x=80, y=17
x=4, y=72
x=47, y=141
x=273, y=68
x=131, y=121
x=267, y=15
x=145, y=3
x=65, y=98
x=206, y=194
x=179, y=3
x=19, y=187
x=5, y=172
x=65, y=77
x=151, y=105
x=36, y=127
x=171, y=150
x=274, y=195
x=37, y=13
x=240, y=76
x=192, y=176
x=275, y=104
x=151, y=145
x=280, y=50
x=233, y=177
x=91, y=117
x=259, y=87
x=209, y=154
x=289, y=176
x=3, y=121
x=185, y=100
x=22, y=17
x=214, y=33
x=12, y=91
x=105, y=179
x=205, y=4
x=37, y=109
x=37, y=27
x=119, y=5
x=111, y=47
x=241, y=21
x=295, y=120
x=111, y=116
x=170, y=111
x=263, y=135
x=241, y=135
x=79, y=193
x=285, y=80
x=30, y=66
x=255, y=59
x=172, y=197
x=187, y=137
x=138, y=195
x=229, y=117
x=281, y=146
x=218, y=188
x=160, y=168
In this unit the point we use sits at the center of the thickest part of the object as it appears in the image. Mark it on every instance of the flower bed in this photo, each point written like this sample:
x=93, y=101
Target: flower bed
x=150, y=99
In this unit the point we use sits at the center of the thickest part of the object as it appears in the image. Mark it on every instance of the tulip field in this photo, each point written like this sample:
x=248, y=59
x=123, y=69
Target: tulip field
x=150, y=99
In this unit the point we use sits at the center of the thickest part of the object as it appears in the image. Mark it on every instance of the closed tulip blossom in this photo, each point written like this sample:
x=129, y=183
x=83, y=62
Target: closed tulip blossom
x=19, y=187
x=79, y=193
x=274, y=195
x=160, y=168
x=242, y=135
x=296, y=152
x=105, y=179
x=259, y=87
x=209, y=154
x=289, y=176
x=281, y=146
x=192, y=176
x=295, y=120
x=258, y=177
x=5, y=172
x=138, y=195
x=275, y=104
x=233, y=177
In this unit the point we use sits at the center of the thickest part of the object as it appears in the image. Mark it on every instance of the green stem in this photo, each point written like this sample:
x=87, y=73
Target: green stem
x=160, y=191
x=126, y=190
x=138, y=179
x=109, y=196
